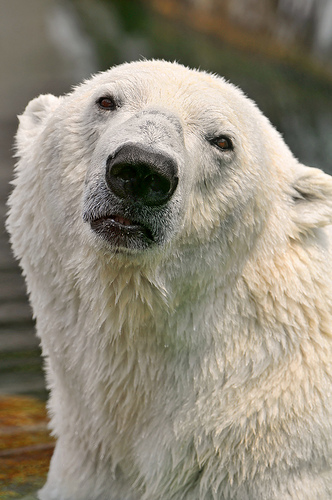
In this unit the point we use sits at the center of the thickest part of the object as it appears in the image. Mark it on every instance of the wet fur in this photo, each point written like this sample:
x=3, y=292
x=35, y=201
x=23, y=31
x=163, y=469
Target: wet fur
x=199, y=368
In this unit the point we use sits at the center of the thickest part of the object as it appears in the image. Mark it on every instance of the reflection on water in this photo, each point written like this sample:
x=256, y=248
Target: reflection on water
x=25, y=446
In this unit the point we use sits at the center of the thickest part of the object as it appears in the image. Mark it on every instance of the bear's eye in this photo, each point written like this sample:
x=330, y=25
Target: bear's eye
x=106, y=103
x=224, y=143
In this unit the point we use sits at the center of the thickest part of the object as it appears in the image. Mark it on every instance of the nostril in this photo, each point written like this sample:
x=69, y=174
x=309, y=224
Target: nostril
x=158, y=184
x=125, y=172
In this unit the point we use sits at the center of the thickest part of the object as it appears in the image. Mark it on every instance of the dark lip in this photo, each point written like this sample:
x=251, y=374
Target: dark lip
x=121, y=231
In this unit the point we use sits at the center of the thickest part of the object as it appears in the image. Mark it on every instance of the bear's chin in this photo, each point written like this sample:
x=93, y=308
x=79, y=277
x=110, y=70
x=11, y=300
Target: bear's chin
x=121, y=233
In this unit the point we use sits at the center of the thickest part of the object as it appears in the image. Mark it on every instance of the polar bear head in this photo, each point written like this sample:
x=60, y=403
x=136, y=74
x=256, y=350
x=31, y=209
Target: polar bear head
x=154, y=158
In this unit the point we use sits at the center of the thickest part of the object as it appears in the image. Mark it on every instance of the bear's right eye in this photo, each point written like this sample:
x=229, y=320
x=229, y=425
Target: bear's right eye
x=106, y=103
x=223, y=143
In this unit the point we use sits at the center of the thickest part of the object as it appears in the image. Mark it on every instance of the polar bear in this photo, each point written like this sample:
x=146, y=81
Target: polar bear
x=178, y=262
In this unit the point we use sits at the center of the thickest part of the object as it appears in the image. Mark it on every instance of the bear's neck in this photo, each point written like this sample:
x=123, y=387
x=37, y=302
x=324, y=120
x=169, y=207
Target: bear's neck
x=156, y=308
x=148, y=344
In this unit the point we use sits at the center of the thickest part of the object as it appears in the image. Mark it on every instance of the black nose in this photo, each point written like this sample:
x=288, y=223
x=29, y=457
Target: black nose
x=136, y=173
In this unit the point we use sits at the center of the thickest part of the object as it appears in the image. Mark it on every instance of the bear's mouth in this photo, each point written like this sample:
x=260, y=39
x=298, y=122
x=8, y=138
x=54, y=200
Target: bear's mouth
x=122, y=232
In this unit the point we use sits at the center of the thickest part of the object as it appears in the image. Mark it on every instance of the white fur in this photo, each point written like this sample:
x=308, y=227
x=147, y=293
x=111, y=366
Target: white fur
x=199, y=368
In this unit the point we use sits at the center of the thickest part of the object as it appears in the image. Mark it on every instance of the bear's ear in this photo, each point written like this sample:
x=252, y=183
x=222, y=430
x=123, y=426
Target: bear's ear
x=312, y=195
x=33, y=118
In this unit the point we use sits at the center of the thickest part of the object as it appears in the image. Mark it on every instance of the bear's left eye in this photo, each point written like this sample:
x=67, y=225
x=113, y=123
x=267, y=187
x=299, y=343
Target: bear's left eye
x=106, y=103
x=223, y=142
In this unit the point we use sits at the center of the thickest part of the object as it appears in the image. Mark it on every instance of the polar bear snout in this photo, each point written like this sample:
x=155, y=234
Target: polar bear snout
x=134, y=201
x=140, y=174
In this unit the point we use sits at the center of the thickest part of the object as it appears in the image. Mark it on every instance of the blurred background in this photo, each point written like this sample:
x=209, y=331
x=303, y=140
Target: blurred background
x=278, y=51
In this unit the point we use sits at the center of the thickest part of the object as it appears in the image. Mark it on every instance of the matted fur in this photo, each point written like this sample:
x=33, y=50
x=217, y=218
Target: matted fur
x=198, y=368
